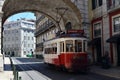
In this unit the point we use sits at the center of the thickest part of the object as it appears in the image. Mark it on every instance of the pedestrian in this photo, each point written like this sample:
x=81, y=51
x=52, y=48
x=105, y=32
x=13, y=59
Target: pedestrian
x=106, y=60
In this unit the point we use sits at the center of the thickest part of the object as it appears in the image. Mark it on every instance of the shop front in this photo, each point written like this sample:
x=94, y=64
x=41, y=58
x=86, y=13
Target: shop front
x=115, y=39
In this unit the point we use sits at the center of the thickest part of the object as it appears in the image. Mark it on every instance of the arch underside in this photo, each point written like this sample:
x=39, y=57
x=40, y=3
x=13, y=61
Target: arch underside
x=54, y=9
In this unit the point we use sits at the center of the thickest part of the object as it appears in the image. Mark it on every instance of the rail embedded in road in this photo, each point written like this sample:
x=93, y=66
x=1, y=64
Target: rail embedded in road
x=26, y=72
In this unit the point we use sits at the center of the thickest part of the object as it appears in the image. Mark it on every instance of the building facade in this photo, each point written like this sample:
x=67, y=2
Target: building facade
x=19, y=39
x=96, y=17
x=104, y=17
x=45, y=30
x=113, y=7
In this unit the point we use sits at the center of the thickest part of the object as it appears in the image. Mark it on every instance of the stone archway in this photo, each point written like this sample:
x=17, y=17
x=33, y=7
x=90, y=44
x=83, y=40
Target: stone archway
x=47, y=7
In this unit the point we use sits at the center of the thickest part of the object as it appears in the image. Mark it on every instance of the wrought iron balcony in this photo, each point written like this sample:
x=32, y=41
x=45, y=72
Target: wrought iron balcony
x=113, y=5
x=39, y=19
x=43, y=28
x=39, y=45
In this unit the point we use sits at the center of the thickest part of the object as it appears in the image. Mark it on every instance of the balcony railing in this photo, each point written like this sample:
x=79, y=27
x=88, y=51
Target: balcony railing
x=39, y=45
x=43, y=29
x=39, y=19
x=113, y=5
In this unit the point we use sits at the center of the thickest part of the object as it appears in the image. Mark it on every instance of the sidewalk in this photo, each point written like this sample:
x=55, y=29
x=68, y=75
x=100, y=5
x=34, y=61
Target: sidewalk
x=111, y=72
x=7, y=74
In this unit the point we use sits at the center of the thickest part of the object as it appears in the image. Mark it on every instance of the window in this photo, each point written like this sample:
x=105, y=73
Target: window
x=24, y=45
x=61, y=46
x=32, y=38
x=24, y=37
x=32, y=45
x=28, y=38
x=97, y=29
x=112, y=3
x=5, y=32
x=116, y=24
x=16, y=31
x=16, y=38
x=78, y=46
x=28, y=45
x=46, y=51
x=100, y=2
x=52, y=50
x=8, y=38
x=85, y=45
x=69, y=46
x=24, y=52
x=96, y=3
x=93, y=4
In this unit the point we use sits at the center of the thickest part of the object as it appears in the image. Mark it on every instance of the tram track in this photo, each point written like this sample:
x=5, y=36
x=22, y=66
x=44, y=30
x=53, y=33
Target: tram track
x=29, y=71
x=54, y=74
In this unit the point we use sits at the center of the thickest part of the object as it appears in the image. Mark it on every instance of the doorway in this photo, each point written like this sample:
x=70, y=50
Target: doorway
x=98, y=53
x=118, y=54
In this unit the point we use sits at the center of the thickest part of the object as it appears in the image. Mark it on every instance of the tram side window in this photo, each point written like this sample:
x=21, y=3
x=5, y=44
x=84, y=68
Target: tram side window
x=46, y=51
x=52, y=50
x=61, y=46
x=69, y=46
x=78, y=46
x=85, y=45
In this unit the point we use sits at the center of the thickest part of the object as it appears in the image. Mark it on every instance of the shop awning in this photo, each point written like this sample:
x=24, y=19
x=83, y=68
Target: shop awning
x=114, y=39
x=95, y=41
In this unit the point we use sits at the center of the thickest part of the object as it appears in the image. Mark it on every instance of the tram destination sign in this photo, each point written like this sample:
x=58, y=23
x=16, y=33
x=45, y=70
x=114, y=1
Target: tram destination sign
x=75, y=31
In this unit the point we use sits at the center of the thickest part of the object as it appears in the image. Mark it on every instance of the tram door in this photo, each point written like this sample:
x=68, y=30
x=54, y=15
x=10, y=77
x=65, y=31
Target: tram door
x=118, y=54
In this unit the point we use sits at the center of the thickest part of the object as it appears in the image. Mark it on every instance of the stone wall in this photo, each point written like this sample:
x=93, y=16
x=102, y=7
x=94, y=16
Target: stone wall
x=1, y=56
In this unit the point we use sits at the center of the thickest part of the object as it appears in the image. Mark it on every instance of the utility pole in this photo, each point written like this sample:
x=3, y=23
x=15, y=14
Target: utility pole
x=60, y=13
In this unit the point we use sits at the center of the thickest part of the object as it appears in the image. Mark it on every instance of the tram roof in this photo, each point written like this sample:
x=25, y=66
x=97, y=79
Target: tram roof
x=71, y=34
x=66, y=38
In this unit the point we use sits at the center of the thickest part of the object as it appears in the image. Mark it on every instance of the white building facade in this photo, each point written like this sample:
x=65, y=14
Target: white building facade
x=19, y=39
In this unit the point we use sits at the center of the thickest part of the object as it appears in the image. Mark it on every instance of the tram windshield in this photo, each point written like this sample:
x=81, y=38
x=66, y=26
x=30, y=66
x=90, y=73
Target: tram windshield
x=78, y=46
x=74, y=46
x=69, y=46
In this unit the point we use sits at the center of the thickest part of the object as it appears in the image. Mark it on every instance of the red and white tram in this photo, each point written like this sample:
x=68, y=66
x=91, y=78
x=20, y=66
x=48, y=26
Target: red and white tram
x=68, y=52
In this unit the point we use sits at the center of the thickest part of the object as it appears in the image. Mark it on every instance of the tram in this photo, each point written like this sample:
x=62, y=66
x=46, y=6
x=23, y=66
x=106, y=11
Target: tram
x=67, y=52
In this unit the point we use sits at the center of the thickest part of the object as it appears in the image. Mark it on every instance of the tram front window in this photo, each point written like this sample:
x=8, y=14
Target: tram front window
x=78, y=46
x=69, y=46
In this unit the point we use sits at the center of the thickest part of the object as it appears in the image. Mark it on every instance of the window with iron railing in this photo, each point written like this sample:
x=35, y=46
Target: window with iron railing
x=40, y=19
x=112, y=4
x=116, y=24
x=43, y=28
